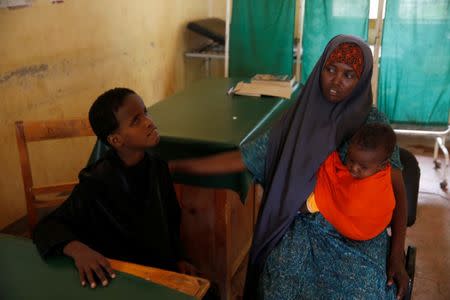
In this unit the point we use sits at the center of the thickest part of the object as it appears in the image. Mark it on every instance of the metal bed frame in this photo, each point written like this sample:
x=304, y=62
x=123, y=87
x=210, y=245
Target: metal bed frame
x=440, y=133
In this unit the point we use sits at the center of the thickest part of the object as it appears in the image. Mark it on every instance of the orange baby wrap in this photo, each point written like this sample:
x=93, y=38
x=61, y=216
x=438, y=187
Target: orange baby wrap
x=359, y=209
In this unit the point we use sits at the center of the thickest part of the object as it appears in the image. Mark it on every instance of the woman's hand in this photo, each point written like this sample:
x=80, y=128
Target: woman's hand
x=88, y=263
x=397, y=273
x=396, y=264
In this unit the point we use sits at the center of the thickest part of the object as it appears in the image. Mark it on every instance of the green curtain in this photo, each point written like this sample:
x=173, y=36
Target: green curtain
x=261, y=37
x=414, y=82
x=326, y=18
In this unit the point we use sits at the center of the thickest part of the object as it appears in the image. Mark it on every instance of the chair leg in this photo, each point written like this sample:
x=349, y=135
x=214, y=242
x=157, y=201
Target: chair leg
x=410, y=269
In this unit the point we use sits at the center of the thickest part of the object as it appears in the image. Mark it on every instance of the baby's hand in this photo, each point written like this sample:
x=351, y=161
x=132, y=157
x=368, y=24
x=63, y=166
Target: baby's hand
x=88, y=263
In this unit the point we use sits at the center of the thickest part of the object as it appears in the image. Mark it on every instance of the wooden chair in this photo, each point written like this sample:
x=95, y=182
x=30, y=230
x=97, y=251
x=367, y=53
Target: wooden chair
x=35, y=131
x=191, y=285
x=217, y=231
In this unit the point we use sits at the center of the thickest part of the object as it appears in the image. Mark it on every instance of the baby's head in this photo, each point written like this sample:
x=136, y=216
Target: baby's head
x=370, y=149
x=119, y=118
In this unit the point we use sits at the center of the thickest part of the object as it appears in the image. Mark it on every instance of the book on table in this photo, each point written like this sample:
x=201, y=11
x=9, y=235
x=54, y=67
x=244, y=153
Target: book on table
x=279, y=80
x=266, y=85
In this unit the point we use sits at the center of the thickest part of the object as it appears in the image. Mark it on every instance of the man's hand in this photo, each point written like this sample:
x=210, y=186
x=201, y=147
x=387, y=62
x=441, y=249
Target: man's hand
x=187, y=268
x=88, y=263
x=397, y=272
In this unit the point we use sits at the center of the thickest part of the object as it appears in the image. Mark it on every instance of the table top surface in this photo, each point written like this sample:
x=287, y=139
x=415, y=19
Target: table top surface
x=24, y=275
x=205, y=113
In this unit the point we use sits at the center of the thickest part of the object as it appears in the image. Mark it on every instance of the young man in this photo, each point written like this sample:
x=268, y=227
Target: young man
x=125, y=206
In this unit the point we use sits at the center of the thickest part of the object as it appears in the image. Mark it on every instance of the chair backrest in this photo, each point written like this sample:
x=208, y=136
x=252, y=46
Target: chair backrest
x=35, y=131
x=411, y=177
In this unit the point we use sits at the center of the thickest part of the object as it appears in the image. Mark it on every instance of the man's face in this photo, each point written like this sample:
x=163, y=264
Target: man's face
x=136, y=129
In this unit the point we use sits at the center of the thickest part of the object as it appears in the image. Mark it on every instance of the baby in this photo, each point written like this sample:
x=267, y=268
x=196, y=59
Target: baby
x=356, y=196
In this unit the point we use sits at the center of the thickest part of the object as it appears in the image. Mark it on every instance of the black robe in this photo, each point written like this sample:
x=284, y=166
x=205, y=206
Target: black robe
x=129, y=214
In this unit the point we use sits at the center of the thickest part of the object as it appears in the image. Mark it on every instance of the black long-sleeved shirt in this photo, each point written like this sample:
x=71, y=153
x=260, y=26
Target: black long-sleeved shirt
x=126, y=213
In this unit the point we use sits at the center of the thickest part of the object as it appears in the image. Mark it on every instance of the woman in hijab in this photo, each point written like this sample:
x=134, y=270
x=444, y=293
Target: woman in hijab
x=301, y=256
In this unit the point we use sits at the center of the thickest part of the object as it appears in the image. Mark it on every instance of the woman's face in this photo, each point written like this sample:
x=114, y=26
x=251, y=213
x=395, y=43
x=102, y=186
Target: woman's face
x=337, y=81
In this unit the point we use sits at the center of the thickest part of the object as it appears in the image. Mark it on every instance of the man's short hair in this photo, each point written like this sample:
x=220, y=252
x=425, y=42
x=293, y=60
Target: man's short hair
x=373, y=136
x=102, y=114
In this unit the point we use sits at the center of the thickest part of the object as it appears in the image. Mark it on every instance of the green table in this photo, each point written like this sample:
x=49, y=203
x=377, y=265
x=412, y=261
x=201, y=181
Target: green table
x=204, y=113
x=203, y=120
x=24, y=275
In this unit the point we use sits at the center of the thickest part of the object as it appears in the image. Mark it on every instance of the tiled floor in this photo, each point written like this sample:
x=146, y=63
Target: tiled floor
x=431, y=232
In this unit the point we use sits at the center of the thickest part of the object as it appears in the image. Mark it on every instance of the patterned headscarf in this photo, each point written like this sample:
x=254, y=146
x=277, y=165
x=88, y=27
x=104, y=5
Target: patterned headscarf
x=349, y=54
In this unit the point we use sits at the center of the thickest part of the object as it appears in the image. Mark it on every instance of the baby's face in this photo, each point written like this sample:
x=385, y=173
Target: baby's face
x=363, y=163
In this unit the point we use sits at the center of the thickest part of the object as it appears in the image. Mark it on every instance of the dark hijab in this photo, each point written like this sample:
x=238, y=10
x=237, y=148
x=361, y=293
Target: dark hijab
x=300, y=141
